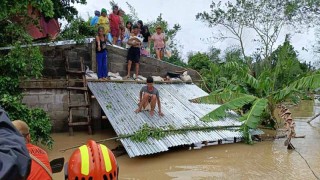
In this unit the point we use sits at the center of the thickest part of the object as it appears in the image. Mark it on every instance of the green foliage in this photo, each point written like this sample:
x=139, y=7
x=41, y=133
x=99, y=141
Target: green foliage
x=37, y=119
x=253, y=117
x=254, y=95
x=220, y=97
x=65, y=9
x=78, y=29
x=23, y=61
x=199, y=62
x=308, y=82
x=145, y=132
x=10, y=9
x=16, y=64
x=264, y=19
x=233, y=104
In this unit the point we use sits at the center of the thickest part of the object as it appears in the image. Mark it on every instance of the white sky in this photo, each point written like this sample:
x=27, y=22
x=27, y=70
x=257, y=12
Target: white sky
x=193, y=32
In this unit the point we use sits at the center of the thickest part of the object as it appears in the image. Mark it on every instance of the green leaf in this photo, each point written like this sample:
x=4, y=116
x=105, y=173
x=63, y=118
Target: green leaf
x=284, y=93
x=249, y=79
x=253, y=118
x=221, y=111
x=309, y=82
x=220, y=97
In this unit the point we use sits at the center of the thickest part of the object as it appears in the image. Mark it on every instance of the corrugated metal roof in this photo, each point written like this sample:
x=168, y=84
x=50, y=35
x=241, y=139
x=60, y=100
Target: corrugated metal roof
x=119, y=100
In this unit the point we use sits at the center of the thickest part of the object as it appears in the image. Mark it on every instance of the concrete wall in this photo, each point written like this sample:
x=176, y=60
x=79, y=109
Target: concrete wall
x=49, y=92
x=148, y=66
x=55, y=58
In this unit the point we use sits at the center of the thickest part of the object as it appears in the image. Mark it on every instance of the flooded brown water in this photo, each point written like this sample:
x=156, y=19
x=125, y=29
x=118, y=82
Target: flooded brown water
x=263, y=160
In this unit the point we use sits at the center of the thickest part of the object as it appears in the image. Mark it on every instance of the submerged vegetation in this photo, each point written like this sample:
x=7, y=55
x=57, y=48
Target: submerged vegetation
x=255, y=85
x=252, y=85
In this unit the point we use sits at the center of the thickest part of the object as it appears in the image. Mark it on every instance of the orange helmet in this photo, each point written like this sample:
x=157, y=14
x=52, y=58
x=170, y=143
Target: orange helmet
x=92, y=162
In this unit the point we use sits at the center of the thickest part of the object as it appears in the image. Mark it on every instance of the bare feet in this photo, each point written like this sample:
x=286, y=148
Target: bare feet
x=151, y=113
x=137, y=110
x=161, y=114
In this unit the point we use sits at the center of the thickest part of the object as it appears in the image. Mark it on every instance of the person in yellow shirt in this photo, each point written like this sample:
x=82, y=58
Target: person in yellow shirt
x=104, y=21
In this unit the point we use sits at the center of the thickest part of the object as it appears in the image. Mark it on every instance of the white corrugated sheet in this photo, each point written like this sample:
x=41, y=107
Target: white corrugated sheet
x=119, y=101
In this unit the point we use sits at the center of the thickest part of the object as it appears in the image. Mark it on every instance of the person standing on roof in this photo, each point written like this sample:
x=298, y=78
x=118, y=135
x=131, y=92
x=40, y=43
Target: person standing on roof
x=159, y=42
x=146, y=37
x=115, y=24
x=134, y=44
x=127, y=34
x=121, y=14
x=140, y=26
x=148, y=98
x=40, y=166
x=104, y=21
x=15, y=161
x=101, y=54
x=95, y=19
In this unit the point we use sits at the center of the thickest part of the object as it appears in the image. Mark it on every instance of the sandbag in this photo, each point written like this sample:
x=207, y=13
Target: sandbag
x=185, y=77
x=157, y=78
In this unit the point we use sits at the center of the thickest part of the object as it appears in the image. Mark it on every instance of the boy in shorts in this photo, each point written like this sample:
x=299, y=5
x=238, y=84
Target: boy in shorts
x=133, y=56
x=149, y=97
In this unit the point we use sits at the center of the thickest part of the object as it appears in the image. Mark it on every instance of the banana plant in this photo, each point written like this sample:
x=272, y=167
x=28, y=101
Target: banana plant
x=264, y=98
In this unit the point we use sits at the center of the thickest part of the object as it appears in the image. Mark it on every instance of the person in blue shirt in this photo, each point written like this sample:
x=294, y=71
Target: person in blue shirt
x=15, y=161
x=95, y=19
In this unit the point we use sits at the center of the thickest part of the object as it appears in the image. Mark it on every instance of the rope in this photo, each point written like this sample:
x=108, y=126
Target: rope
x=308, y=165
x=204, y=82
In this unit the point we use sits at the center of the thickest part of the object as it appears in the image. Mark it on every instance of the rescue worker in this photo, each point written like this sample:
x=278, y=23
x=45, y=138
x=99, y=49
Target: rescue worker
x=40, y=166
x=92, y=161
x=14, y=157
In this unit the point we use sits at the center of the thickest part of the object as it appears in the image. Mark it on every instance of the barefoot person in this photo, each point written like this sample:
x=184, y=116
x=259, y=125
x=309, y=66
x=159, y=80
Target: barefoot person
x=134, y=44
x=101, y=53
x=159, y=42
x=149, y=97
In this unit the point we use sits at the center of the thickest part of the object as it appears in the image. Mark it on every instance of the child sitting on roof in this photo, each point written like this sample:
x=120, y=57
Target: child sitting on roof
x=149, y=97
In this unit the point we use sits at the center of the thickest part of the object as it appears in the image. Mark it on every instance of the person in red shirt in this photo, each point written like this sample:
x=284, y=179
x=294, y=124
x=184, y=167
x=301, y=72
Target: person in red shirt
x=40, y=166
x=114, y=20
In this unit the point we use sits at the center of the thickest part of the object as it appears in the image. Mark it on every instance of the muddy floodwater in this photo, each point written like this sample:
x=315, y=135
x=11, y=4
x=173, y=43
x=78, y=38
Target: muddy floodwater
x=263, y=160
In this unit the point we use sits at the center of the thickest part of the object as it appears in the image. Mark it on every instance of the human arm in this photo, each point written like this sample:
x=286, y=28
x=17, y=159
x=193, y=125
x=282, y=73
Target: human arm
x=159, y=106
x=15, y=161
x=133, y=42
x=164, y=40
x=140, y=96
x=98, y=43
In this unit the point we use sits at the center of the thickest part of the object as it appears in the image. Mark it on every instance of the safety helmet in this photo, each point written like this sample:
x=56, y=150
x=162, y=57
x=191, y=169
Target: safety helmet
x=92, y=162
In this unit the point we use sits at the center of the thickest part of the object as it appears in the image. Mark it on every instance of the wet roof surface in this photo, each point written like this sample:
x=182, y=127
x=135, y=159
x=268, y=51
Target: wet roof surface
x=119, y=101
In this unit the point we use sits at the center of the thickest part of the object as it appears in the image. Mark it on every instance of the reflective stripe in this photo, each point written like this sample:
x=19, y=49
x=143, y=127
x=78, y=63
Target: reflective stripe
x=106, y=157
x=84, y=152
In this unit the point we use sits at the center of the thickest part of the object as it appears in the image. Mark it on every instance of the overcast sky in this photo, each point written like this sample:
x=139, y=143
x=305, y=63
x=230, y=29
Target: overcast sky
x=193, y=33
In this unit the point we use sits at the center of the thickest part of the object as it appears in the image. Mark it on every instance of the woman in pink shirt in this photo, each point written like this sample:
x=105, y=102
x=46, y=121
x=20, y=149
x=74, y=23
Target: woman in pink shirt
x=159, y=42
